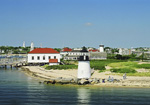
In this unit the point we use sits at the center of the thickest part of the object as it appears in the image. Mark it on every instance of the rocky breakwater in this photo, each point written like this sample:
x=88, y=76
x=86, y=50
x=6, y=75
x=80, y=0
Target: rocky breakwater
x=77, y=81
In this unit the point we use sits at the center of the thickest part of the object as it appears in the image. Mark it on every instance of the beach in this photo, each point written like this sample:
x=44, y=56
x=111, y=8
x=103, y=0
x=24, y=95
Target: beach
x=44, y=75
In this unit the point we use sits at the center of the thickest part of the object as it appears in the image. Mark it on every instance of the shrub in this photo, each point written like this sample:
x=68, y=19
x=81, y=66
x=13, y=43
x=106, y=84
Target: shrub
x=123, y=70
x=145, y=66
x=61, y=67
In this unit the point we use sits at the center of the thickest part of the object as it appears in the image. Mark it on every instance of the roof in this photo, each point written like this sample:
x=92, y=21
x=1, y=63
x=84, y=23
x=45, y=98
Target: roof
x=43, y=50
x=67, y=49
x=53, y=60
x=94, y=50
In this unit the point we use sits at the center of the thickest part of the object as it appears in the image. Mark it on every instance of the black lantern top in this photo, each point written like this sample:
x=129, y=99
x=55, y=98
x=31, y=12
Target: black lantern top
x=83, y=58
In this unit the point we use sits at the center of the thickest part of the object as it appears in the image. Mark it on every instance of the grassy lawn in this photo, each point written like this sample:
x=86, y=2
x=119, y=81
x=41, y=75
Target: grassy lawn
x=129, y=68
x=100, y=64
x=117, y=66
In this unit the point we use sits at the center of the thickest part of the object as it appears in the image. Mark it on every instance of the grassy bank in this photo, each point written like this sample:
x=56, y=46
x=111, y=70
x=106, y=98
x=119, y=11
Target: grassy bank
x=130, y=68
x=117, y=66
x=94, y=64
x=61, y=67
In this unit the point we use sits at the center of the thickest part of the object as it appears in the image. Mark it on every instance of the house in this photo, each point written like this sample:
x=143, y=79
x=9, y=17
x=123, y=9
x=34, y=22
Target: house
x=41, y=56
x=124, y=51
x=64, y=52
x=98, y=54
x=74, y=54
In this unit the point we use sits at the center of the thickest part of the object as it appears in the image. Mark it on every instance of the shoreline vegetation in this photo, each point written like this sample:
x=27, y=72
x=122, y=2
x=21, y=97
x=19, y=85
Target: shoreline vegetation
x=108, y=74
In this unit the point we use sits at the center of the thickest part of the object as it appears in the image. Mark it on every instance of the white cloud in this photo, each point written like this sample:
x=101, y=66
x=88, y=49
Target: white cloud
x=88, y=24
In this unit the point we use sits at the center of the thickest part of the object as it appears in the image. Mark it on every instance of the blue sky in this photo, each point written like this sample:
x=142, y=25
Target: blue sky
x=75, y=23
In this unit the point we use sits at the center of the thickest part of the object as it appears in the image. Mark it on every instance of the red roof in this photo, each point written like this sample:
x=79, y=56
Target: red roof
x=43, y=50
x=93, y=50
x=53, y=60
x=67, y=49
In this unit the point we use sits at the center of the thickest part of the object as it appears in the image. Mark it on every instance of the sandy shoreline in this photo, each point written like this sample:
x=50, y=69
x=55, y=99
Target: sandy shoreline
x=131, y=81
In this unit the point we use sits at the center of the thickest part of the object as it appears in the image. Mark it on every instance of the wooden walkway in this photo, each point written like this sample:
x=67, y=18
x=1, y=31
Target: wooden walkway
x=12, y=62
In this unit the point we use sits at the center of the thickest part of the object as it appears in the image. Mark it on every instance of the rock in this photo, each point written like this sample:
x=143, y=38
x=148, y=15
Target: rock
x=40, y=82
x=66, y=81
x=50, y=82
x=90, y=80
x=58, y=80
x=95, y=80
x=84, y=82
x=75, y=80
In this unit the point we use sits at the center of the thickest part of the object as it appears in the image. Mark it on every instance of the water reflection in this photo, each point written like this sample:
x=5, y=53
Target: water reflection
x=84, y=95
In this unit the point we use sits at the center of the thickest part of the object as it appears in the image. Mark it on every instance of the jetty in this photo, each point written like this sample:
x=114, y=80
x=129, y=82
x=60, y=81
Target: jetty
x=12, y=61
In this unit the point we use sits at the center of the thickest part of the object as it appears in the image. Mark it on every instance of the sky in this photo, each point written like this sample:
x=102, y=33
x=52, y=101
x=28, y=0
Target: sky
x=75, y=23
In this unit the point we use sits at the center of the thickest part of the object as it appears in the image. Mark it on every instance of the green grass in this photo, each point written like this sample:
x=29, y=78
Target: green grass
x=118, y=67
x=96, y=64
x=145, y=66
x=123, y=70
x=100, y=71
x=123, y=64
x=61, y=67
x=129, y=68
x=143, y=74
x=100, y=64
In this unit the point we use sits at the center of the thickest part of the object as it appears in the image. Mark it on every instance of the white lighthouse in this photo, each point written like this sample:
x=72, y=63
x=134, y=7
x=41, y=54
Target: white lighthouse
x=101, y=48
x=84, y=70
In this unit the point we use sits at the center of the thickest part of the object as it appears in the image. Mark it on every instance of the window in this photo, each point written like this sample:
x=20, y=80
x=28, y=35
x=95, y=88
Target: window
x=49, y=57
x=38, y=57
x=32, y=57
x=43, y=57
x=54, y=57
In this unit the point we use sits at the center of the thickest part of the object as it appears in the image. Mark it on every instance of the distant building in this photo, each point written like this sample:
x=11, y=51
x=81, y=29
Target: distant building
x=32, y=46
x=44, y=56
x=77, y=49
x=101, y=48
x=146, y=55
x=74, y=54
x=24, y=44
x=65, y=51
x=97, y=54
x=124, y=51
x=108, y=50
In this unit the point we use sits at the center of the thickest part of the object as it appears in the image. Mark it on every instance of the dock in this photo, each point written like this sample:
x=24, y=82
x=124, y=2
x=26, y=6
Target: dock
x=12, y=62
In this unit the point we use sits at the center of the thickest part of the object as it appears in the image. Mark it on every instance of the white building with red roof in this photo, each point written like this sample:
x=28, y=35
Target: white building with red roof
x=65, y=51
x=44, y=56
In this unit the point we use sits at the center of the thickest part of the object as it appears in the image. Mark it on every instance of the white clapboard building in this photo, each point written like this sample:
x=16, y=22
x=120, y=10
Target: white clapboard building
x=43, y=56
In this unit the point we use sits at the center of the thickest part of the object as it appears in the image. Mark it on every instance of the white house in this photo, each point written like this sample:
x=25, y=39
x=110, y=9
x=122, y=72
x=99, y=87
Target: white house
x=124, y=51
x=44, y=56
x=65, y=52
x=74, y=54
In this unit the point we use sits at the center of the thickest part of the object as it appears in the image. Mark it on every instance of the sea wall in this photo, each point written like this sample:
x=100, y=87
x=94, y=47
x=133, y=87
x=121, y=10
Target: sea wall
x=46, y=77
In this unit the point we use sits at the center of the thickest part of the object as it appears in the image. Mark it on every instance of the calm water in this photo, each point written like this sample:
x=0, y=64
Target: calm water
x=18, y=89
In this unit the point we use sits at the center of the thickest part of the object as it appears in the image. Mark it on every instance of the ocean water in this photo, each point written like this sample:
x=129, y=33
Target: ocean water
x=18, y=89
